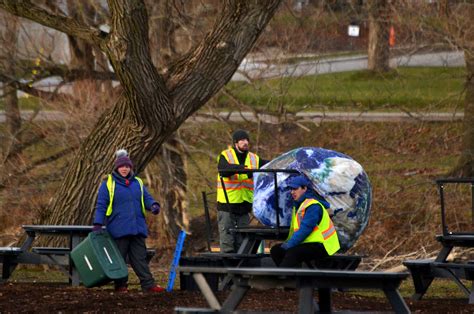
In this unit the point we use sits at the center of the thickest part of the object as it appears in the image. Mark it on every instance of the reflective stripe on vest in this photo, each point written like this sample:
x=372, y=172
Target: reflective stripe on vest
x=239, y=187
x=324, y=233
x=111, y=189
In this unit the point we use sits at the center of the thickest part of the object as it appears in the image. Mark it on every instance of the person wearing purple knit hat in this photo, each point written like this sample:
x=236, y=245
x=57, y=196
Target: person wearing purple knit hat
x=122, y=203
x=123, y=160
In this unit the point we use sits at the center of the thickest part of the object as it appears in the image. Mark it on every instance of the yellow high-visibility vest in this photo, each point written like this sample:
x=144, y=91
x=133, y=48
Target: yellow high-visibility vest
x=111, y=189
x=239, y=187
x=324, y=233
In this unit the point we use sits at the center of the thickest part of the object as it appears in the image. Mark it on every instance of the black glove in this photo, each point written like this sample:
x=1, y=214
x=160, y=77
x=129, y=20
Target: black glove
x=155, y=208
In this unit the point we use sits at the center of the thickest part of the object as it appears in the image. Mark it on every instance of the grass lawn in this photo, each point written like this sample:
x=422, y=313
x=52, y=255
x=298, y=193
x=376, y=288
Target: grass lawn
x=413, y=89
x=408, y=88
x=25, y=103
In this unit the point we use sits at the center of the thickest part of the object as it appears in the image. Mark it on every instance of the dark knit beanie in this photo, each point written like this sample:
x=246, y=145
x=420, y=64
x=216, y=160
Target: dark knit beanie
x=240, y=135
x=122, y=159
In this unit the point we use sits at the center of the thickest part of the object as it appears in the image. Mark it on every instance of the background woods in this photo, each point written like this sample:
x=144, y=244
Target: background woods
x=155, y=78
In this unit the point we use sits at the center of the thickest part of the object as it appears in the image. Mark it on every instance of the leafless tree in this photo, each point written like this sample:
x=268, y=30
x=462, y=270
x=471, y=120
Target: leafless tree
x=379, y=27
x=449, y=22
x=461, y=30
x=152, y=105
x=11, y=142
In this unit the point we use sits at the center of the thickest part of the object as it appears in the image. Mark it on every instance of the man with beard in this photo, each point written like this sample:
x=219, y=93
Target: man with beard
x=235, y=203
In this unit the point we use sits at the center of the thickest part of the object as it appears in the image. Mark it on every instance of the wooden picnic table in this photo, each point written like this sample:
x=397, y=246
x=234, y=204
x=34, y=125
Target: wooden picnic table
x=252, y=237
x=59, y=256
x=11, y=257
x=305, y=281
x=248, y=256
x=424, y=271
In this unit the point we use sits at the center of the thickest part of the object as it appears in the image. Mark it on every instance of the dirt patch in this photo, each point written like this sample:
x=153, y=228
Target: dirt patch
x=56, y=297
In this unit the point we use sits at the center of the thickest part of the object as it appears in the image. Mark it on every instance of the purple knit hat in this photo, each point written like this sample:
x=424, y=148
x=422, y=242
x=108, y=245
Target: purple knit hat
x=122, y=159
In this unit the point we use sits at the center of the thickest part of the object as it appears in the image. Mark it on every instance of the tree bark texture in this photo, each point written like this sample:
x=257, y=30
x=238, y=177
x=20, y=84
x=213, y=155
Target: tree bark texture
x=461, y=30
x=466, y=160
x=152, y=106
x=11, y=145
x=379, y=29
x=167, y=175
x=81, y=50
x=82, y=56
x=162, y=32
x=8, y=51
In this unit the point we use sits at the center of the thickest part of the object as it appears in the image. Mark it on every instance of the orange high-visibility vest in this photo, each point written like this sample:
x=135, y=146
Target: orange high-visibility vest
x=239, y=187
x=324, y=233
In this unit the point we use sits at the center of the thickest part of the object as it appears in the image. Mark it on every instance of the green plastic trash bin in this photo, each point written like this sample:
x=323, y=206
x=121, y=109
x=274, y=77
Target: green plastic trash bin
x=98, y=260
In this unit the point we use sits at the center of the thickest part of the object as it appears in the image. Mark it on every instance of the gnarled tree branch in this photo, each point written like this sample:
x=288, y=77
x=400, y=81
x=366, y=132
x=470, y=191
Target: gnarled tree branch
x=65, y=24
x=225, y=47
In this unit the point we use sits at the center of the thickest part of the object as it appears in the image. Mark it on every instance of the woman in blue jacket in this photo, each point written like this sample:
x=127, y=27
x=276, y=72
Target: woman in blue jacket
x=121, y=206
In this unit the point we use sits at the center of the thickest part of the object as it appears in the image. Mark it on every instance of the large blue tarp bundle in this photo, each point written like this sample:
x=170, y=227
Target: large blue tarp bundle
x=335, y=176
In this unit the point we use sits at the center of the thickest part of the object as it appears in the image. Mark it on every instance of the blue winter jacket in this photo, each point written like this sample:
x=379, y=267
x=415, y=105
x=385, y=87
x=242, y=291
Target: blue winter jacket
x=311, y=219
x=127, y=216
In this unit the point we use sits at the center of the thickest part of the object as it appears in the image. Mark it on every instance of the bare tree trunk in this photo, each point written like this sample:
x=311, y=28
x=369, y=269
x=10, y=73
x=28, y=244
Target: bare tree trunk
x=443, y=8
x=82, y=56
x=461, y=30
x=106, y=87
x=151, y=106
x=465, y=164
x=162, y=40
x=167, y=175
x=379, y=29
x=11, y=144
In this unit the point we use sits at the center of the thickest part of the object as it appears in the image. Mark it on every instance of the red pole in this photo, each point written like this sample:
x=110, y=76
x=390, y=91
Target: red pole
x=391, y=39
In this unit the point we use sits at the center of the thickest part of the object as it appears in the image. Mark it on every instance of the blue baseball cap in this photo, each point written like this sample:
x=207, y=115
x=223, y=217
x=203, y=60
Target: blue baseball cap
x=296, y=182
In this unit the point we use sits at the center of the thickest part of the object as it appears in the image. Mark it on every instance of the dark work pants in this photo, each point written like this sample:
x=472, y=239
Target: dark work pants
x=230, y=242
x=295, y=256
x=135, y=248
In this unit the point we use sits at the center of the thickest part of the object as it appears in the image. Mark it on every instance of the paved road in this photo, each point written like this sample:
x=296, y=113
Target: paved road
x=300, y=116
x=251, y=68
x=255, y=68
x=40, y=116
x=316, y=116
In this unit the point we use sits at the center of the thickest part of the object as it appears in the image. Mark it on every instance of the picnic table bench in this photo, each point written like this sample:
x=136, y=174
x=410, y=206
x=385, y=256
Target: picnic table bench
x=240, y=258
x=8, y=256
x=55, y=252
x=219, y=282
x=336, y=261
x=424, y=271
x=11, y=257
x=303, y=280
